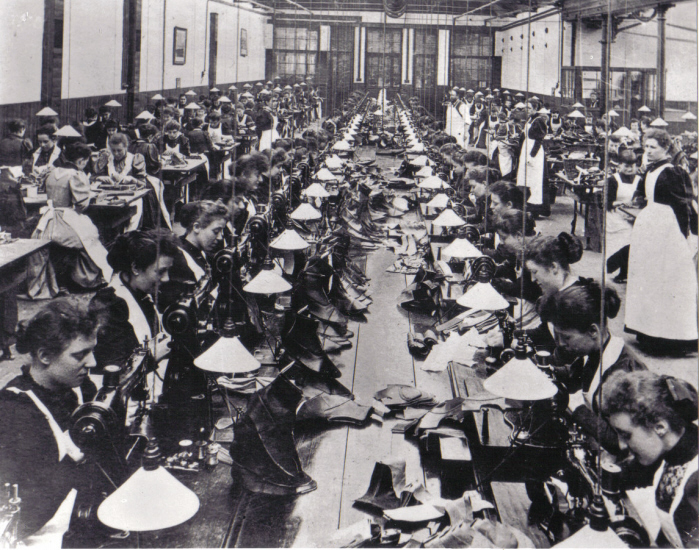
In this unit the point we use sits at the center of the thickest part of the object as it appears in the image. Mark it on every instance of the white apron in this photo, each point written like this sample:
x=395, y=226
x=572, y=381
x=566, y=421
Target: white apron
x=531, y=170
x=449, y=119
x=38, y=170
x=265, y=140
x=51, y=534
x=610, y=356
x=661, y=296
x=653, y=518
x=198, y=271
x=619, y=224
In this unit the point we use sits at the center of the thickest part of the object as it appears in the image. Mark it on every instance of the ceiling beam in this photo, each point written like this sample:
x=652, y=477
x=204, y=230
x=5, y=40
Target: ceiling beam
x=572, y=9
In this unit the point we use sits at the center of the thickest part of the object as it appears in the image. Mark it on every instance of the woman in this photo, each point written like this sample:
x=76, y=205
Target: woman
x=248, y=176
x=574, y=313
x=36, y=451
x=620, y=188
x=504, y=195
x=549, y=259
x=204, y=223
x=655, y=418
x=531, y=171
x=661, y=297
x=173, y=141
x=141, y=261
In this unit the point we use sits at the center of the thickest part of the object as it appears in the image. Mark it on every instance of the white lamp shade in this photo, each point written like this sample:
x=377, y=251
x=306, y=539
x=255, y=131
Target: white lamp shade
x=612, y=113
x=448, y=218
x=214, y=90
x=289, y=240
x=47, y=111
x=267, y=282
x=68, y=131
x=578, y=105
x=422, y=160
x=191, y=93
x=157, y=97
x=317, y=190
x=424, y=172
x=227, y=355
x=644, y=109
x=689, y=116
x=521, y=380
x=544, y=111
x=659, y=123
x=145, y=115
x=148, y=501
x=193, y=106
x=462, y=248
x=439, y=201
x=234, y=88
x=587, y=537
x=112, y=103
x=334, y=162
x=342, y=146
x=325, y=175
x=433, y=182
x=305, y=212
x=482, y=296
x=224, y=99
x=576, y=114
x=622, y=132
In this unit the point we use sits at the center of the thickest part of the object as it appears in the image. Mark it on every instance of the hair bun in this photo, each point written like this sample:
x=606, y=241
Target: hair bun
x=571, y=246
x=22, y=338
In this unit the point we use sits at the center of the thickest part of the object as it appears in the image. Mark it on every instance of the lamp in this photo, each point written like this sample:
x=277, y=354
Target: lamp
x=659, y=123
x=520, y=379
x=192, y=107
x=462, y=249
x=341, y=146
x=224, y=99
x=145, y=115
x=68, y=131
x=578, y=105
x=150, y=499
x=47, y=111
x=305, y=212
x=112, y=103
x=449, y=218
x=623, y=131
x=214, y=90
x=158, y=97
x=233, y=88
x=644, y=109
x=422, y=160
x=325, y=175
x=423, y=172
x=612, y=113
x=316, y=190
x=289, y=240
x=439, y=201
x=267, y=281
x=191, y=93
x=576, y=114
x=227, y=355
x=544, y=111
x=689, y=115
x=482, y=296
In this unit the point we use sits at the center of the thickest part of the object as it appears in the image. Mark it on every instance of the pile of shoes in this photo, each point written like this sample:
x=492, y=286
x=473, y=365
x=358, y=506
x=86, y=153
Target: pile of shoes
x=421, y=296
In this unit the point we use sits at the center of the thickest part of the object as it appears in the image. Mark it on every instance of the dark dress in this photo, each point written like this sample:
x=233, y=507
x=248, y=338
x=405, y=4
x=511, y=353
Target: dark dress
x=182, y=278
x=29, y=452
x=14, y=151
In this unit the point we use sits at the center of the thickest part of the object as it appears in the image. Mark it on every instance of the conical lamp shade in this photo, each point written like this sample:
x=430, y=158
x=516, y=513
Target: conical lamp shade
x=190, y=93
x=578, y=105
x=644, y=109
x=148, y=501
x=325, y=175
x=612, y=113
x=334, y=162
x=342, y=146
x=439, y=201
x=267, y=282
x=193, y=106
x=622, y=132
x=158, y=97
x=422, y=160
x=424, y=172
x=521, y=380
x=144, y=115
x=289, y=240
x=482, y=296
x=305, y=212
x=214, y=90
x=462, y=248
x=448, y=218
x=316, y=190
x=544, y=111
x=576, y=114
x=432, y=182
x=47, y=111
x=224, y=99
x=68, y=131
x=689, y=116
x=112, y=103
x=227, y=355
x=587, y=537
x=659, y=123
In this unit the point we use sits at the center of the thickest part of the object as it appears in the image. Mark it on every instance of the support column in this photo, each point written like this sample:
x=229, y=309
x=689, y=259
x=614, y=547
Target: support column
x=662, y=11
x=604, y=72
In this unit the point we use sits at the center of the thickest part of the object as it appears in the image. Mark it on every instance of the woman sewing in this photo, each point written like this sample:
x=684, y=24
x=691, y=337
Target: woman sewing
x=141, y=261
x=36, y=451
x=574, y=314
x=655, y=418
x=661, y=298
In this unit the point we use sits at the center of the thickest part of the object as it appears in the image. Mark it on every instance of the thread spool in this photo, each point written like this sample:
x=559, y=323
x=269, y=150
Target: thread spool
x=611, y=479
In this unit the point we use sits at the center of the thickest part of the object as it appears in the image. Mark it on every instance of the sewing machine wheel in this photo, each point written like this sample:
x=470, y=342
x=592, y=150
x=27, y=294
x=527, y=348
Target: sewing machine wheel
x=631, y=532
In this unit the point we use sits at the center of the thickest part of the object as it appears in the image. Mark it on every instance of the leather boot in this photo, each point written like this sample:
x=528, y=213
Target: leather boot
x=303, y=345
x=264, y=452
x=387, y=480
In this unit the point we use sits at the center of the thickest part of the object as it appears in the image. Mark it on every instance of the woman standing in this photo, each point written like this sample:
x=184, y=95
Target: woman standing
x=655, y=418
x=531, y=171
x=661, y=298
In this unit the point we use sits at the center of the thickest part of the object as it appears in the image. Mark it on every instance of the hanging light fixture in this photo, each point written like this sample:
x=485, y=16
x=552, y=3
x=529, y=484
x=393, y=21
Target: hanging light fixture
x=439, y=201
x=305, y=212
x=644, y=109
x=267, y=281
x=463, y=249
x=576, y=114
x=68, y=131
x=112, y=103
x=191, y=93
x=289, y=240
x=193, y=107
x=325, y=175
x=689, y=116
x=145, y=115
x=227, y=355
x=433, y=182
x=449, y=218
x=578, y=105
x=158, y=97
x=224, y=99
x=612, y=113
x=214, y=90
x=316, y=190
x=659, y=123
x=47, y=111
x=151, y=499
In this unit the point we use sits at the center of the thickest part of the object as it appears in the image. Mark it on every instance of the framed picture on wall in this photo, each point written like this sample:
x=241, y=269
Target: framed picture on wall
x=179, y=46
x=243, y=42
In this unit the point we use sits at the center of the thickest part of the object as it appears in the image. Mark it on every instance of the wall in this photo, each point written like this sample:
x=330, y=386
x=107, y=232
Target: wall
x=544, y=67
x=92, y=44
x=637, y=48
x=193, y=16
x=21, y=32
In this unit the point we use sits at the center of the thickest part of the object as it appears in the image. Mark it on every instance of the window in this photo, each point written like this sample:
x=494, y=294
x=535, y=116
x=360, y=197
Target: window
x=296, y=51
x=383, y=57
x=425, y=58
x=179, y=46
x=472, y=62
